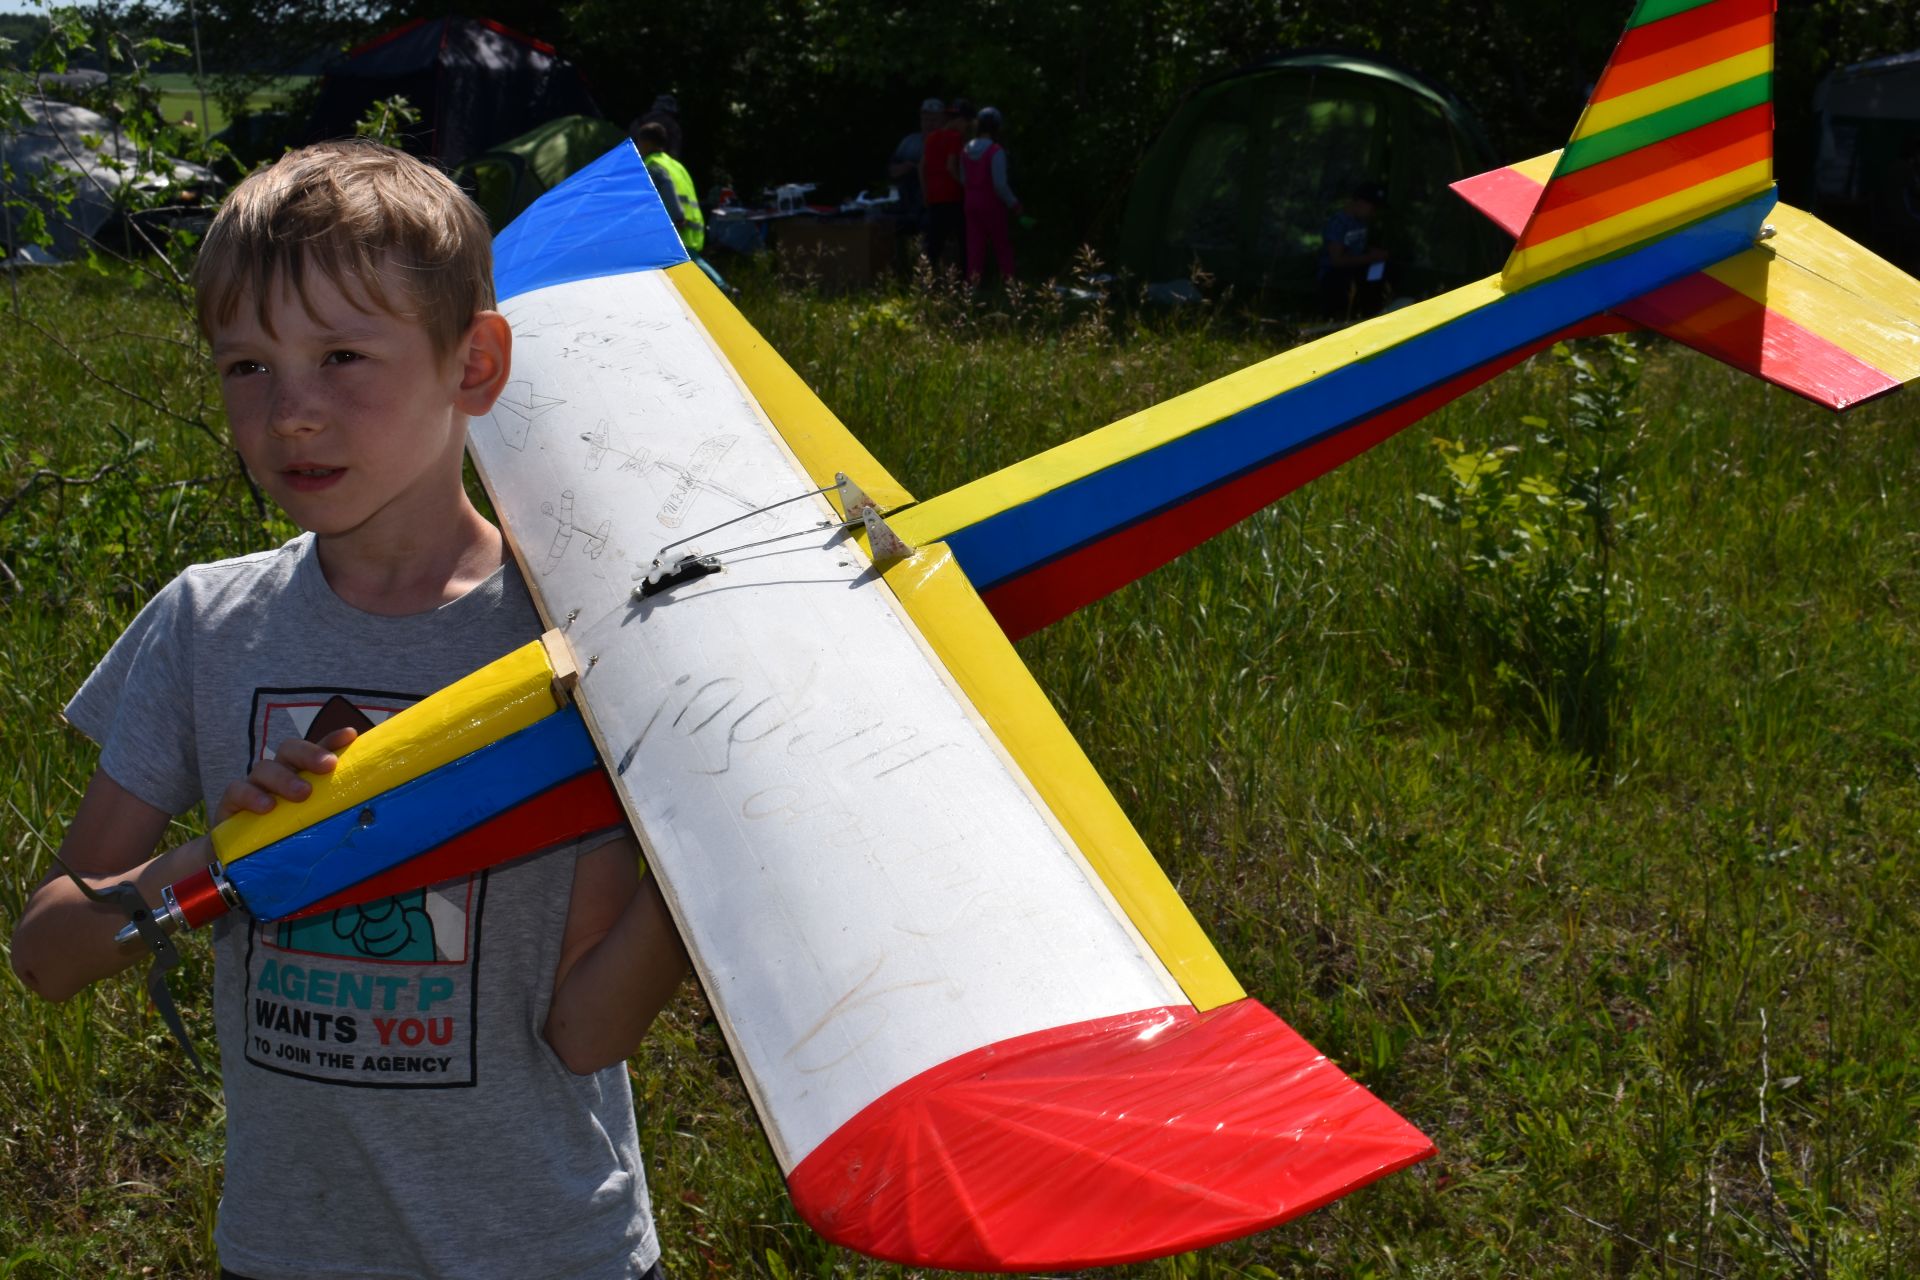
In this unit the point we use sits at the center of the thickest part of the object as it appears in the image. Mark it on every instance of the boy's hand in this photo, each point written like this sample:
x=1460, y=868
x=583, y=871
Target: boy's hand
x=272, y=781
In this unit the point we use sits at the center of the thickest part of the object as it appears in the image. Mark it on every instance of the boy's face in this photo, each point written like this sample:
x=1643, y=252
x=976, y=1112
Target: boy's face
x=348, y=418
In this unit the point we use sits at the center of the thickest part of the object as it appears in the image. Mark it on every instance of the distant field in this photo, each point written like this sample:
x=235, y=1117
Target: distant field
x=179, y=97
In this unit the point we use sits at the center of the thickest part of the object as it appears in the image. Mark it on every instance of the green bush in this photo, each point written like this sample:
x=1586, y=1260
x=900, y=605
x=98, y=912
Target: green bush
x=1530, y=606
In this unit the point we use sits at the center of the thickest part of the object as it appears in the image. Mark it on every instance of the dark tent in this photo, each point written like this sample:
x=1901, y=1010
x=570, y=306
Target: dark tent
x=475, y=82
x=511, y=176
x=1866, y=178
x=1241, y=182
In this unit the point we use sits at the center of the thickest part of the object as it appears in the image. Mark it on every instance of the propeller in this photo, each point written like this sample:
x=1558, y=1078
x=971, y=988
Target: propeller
x=153, y=929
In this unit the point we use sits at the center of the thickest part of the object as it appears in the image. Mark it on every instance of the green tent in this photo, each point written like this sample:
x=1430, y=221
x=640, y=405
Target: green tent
x=519, y=171
x=1243, y=179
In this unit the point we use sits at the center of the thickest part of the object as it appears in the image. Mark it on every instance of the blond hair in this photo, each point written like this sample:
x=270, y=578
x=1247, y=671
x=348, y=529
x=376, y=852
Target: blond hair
x=365, y=216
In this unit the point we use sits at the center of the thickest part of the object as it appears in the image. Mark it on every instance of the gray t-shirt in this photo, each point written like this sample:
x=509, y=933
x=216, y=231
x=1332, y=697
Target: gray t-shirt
x=393, y=1109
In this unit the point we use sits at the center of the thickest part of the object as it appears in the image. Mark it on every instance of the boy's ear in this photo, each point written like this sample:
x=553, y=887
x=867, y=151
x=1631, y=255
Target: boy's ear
x=486, y=354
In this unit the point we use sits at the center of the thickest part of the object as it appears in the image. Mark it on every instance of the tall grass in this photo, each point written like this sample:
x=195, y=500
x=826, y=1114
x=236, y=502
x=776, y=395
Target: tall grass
x=1656, y=1014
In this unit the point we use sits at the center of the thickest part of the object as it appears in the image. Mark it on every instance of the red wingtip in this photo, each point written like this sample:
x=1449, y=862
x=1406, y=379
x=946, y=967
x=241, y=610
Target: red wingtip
x=1106, y=1142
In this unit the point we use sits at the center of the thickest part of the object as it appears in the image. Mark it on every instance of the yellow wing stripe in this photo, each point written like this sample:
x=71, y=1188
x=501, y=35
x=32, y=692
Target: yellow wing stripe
x=1601, y=116
x=1858, y=302
x=936, y=595
x=1638, y=224
x=963, y=633
x=1810, y=243
x=1024, y=481
x=818, y=438
x=502, y=697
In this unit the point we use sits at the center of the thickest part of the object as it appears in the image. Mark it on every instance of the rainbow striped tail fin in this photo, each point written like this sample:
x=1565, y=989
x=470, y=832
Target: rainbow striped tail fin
x=1680, y=127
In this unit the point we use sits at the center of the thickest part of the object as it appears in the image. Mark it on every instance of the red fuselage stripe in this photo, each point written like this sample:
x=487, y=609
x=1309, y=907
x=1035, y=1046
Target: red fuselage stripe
x=583, y=804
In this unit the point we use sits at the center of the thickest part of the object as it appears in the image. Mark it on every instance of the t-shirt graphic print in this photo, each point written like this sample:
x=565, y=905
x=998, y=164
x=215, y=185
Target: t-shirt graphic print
x=382, y=994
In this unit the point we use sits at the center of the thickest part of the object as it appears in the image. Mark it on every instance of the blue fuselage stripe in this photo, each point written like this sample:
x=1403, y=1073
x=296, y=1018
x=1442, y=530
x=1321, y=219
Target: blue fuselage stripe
x=1011, y=542
x=416, y=816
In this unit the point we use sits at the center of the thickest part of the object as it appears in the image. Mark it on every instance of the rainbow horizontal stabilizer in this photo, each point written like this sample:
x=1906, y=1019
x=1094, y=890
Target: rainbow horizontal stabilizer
x=1806, y=309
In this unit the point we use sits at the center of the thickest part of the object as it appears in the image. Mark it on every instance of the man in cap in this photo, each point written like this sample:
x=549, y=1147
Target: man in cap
x=940, y=181
x=664, y=112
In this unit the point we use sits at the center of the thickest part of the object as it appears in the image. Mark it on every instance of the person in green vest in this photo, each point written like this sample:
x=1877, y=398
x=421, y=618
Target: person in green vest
x=675, y=185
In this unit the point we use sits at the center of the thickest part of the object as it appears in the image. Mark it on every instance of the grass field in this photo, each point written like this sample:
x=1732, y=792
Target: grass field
x=1654, y=1005
x=178, y=96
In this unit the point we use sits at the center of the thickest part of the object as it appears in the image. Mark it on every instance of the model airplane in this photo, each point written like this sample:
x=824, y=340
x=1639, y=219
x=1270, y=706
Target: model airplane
x=979, y=1025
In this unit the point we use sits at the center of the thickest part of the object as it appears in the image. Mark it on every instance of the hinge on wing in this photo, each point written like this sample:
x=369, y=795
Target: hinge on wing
x=667, y=572
x=885, y=543
x=853, y=499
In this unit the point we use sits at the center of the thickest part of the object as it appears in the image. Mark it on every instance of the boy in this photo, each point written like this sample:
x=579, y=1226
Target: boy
x=396, y=1107
x=1349, y=274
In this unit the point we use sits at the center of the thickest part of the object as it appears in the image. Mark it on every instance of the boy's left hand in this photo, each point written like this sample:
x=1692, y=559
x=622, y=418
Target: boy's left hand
x=272, y=781
x=621, y=960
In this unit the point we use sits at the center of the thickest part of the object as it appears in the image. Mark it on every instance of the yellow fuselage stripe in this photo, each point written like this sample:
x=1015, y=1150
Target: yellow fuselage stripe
x=1601, y=116
x=502, y=697
x=935, y=594
x=1024, y=481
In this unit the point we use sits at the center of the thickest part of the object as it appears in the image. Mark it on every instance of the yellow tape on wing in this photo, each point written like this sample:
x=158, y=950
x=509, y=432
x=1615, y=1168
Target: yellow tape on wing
x=1539, y=169
x=500, y=698
x=976, y=652
x=1816, y=277
x=819, y=439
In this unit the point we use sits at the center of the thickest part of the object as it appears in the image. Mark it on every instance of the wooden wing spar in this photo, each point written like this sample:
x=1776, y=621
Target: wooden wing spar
x=979, y=1025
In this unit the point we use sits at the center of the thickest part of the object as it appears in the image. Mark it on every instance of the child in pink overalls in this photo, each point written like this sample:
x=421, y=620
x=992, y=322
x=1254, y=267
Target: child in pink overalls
x=989, y=200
